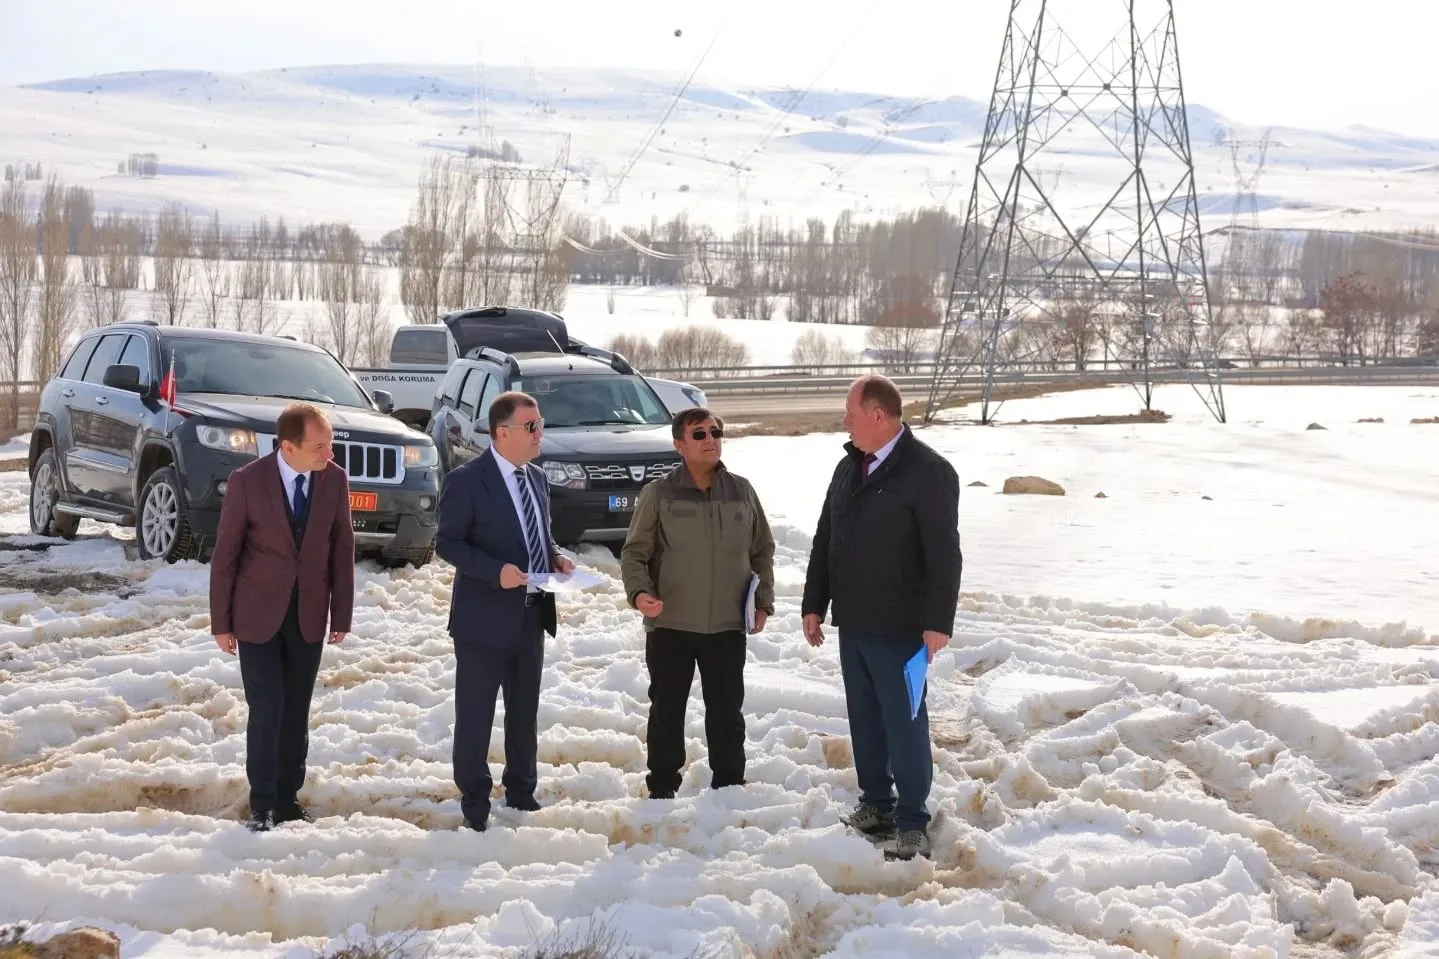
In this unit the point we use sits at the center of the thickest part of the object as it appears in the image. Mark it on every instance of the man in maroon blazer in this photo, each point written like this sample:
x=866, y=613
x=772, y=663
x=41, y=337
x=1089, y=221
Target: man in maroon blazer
x=285, y=530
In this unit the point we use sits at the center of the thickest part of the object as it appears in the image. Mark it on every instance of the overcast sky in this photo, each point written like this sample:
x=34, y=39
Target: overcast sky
x=1261, y=61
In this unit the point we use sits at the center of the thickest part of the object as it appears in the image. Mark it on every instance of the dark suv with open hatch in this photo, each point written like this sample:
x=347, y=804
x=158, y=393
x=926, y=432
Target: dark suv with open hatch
x=143, y=426
x=607, y=432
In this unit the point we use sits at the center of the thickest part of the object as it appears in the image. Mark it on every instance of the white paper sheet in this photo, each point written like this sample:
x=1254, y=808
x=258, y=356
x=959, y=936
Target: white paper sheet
x=572, y=582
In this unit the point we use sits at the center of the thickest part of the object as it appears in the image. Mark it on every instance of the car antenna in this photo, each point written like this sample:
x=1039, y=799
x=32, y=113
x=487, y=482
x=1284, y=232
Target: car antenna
x=551, y=335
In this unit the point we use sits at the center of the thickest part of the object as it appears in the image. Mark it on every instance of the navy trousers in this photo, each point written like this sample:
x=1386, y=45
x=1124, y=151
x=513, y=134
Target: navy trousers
x=481, y=674
x=279, y=680
x=891, y=751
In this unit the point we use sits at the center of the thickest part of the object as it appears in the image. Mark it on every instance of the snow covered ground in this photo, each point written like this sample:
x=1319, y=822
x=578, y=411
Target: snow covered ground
x=1168, y=726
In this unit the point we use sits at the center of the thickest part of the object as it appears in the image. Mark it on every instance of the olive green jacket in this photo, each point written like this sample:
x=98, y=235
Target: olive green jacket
x=694, y=550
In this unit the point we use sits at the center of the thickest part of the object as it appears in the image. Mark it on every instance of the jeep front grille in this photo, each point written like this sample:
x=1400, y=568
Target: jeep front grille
x=370, y=462
x=619, y=475
x=364, y=462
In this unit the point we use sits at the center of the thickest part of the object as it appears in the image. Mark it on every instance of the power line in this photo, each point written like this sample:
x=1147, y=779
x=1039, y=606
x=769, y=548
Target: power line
x=674, y=102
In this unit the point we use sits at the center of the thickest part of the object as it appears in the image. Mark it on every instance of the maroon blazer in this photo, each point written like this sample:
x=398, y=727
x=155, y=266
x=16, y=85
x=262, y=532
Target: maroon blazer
x=255, y=563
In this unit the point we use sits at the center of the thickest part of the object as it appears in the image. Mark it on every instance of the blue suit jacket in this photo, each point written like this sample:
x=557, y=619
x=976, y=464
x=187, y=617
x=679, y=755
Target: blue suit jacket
x=478, y=534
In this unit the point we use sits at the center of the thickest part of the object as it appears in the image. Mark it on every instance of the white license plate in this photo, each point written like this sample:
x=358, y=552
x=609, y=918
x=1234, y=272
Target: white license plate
x=620, y=504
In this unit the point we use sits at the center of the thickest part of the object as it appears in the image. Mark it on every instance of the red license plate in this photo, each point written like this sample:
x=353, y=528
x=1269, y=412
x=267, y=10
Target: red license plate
x=364, y=502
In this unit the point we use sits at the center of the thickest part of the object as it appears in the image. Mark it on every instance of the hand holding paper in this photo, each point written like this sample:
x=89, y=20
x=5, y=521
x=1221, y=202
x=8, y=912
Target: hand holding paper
x=574, y=581
x=753, y=622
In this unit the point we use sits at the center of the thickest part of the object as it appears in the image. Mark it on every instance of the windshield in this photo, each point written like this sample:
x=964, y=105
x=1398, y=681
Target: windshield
x=260, y=369
x=607, y=400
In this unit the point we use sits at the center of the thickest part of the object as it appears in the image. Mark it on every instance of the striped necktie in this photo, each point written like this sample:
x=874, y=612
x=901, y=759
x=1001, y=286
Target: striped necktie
x=534, y=538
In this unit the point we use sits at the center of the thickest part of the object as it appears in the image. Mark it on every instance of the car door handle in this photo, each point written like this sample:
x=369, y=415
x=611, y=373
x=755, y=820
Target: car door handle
x=67, y=393
x=101, y=400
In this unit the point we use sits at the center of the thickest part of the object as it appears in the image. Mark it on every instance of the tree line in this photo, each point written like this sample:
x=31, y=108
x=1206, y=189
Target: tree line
x=492, y=232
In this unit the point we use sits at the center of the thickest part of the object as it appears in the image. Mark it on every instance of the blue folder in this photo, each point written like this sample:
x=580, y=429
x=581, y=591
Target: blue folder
x=914, y=672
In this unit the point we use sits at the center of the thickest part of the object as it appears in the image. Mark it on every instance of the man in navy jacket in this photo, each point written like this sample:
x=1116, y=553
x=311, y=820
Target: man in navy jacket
x=886, y=561
x=494, y=528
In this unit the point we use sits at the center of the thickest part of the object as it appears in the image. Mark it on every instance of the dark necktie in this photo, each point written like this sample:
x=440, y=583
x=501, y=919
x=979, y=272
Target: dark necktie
x=869, y=459
x=534, y=539
x=299, y=501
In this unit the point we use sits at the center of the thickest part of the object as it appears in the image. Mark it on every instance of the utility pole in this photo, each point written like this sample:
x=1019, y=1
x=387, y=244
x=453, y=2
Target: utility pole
x=1128, y=252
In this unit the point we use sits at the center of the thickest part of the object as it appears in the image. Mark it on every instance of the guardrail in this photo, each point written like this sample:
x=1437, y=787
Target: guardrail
x=925, y=368
x=915, y=382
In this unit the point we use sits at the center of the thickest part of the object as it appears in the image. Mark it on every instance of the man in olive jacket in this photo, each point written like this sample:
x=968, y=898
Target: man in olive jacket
x=697, y=536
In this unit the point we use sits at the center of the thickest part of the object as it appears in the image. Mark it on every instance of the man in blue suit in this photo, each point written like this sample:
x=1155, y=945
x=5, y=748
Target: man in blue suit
x=494, y=530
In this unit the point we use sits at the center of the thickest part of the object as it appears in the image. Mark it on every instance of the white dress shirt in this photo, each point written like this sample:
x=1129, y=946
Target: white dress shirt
x=287, y=479
x=512, y=483
x=885, y=450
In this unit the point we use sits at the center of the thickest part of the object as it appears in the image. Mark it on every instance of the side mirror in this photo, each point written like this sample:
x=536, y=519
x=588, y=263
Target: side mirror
x=384, y=401
x=123, y=377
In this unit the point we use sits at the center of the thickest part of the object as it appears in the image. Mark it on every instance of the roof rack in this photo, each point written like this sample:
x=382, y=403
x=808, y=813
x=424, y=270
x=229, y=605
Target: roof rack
x=505, y=360
x=616, y=361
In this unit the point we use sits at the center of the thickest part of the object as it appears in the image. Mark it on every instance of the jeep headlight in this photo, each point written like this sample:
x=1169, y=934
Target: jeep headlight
x=567, y=475
x=228, y=440
x=416, y=456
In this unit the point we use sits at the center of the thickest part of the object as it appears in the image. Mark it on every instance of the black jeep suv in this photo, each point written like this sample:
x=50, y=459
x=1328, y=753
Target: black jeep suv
x=606, y=434
x=143, y=425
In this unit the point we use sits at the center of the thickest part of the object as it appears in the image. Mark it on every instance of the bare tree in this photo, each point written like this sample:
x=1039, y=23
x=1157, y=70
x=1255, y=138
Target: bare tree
x=59, y=292
x=1254, y=332
x=544, y=276
x=635, y=348
x=1348, y=307
x=424, y=246
x=18, y=271
x=253, y=310
x=174, y=268
x=214, y=271
x=339, y=284
x=814, y=348
x=693, y=348
x=372, y=322
x=1076, y=330
x=92, y=295
x=463, y=239
x=905, y=335
x=688, y=289
x=491, y=267
x=1426, y=336
x=122, y=244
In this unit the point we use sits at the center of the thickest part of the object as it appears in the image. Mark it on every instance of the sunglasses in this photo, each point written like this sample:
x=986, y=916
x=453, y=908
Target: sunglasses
x=715, y=432
x=530, y=427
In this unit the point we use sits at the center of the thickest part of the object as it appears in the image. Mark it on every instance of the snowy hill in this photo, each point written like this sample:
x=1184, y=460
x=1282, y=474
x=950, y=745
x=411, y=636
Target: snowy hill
x=347, y=143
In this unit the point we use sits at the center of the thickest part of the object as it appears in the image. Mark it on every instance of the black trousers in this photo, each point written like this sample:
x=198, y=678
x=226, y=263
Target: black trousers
x=481, y=674
x=279, y=681
x=671, y=656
